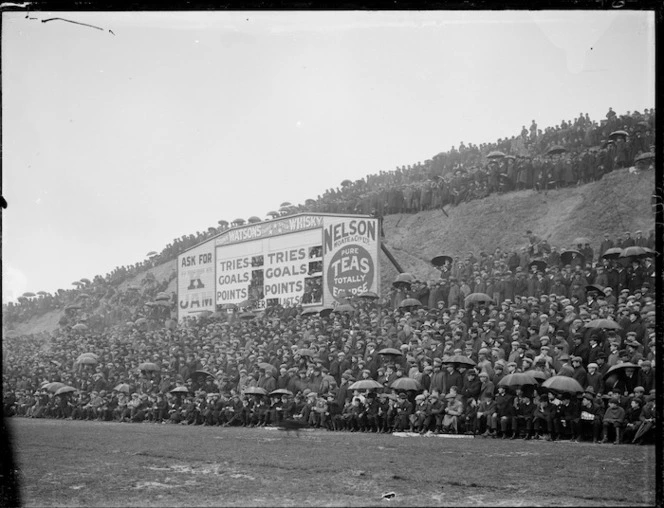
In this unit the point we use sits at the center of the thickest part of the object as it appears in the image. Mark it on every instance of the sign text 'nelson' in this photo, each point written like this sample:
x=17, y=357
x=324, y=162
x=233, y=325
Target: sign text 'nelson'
x=362, y=231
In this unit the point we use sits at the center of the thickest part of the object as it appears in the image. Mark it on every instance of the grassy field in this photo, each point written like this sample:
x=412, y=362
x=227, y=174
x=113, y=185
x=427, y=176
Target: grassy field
x=72, y=463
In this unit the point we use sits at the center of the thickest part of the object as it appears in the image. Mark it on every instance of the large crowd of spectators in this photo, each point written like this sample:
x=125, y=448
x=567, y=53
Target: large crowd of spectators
x=203, y=371
x=448, y=178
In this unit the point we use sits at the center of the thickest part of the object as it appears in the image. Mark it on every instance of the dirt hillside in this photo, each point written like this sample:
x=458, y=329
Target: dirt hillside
x=619, y=202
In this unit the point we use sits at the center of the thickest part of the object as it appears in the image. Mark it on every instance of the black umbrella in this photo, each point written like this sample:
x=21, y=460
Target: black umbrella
x=369, y=295
x=556, y=149
x=441, y=260
x=595, y=287
x=636, y=252
x=620, y=368
x=618, y=134
x=390, y=351
x=612, y=253
x=645, y=157
x=202, y=373
x=308, y=312
x=603, y=323
x=539, y=263
x=567, y=256
x=495, y=155
x=410, y=302
x=477, y=298
x=325, y=311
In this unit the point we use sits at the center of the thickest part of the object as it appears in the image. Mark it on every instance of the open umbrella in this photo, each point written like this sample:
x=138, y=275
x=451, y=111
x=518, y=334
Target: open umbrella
x=84, y=295
x=563, y=384
x=344, y=307
x=567, y=256
x=65, y=389
x=369, y=295
x=325, y=311
x=495, y=155
x=539, y=376
x=42, y=293
x=309, y=312
x=620, y=368
x=405, y=383
x=346, y=182
x=80, y=327
x=164, y=303
x=201, y=373
x=608, y=324
x=284, y=204
x=238, y=221
x=477, y=298
x=612, y=253
x=255, y=390
x=618, y=134
x=151, y=253
x=29, y=294
x=73, y=307
x=460, y=359
x=648, y=156
x=253, y=219
x=93, y=355
x=180, y=389
x=518, y=379
x=281, y=391
x=403, y=280
x=539, y=264
x=162, y=296
x=581, y=240
x=410, y=302
x=87, y=360
x=149, y=367
x=122, y=387
x=595, y=287
x=365, y=384
x=441, y=260
x=390, y=351
x=77, y=283
x=247, y=316
x=54, y=387
x=635, y=252
x=556, y=149
x=86, y=281
x=140, y=321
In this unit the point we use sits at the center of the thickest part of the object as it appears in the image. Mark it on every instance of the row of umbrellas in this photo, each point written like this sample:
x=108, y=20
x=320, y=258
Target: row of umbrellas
x=529, y=378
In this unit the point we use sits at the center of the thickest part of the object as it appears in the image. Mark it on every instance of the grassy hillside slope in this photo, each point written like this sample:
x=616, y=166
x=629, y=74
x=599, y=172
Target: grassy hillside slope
x=619, y=202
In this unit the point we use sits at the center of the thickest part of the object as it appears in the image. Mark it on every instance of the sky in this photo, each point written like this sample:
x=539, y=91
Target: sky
x=116, y=143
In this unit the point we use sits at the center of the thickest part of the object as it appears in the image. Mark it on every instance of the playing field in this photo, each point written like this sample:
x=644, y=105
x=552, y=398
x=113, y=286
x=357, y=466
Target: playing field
x=74, y=463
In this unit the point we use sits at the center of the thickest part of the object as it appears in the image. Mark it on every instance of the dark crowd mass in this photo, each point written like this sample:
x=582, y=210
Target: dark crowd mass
x=429, y=356
x=527, y=343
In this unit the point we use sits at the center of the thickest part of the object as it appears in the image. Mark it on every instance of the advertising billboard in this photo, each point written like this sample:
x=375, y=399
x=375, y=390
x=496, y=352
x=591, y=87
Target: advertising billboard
x=196, y=280
x=310, y=260
x=284, y=269
x=350, y=253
